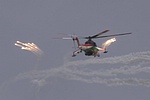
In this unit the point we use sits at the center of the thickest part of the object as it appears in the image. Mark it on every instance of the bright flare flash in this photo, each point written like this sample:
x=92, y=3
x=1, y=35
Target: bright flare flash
x=30, y=47
x=108, y=42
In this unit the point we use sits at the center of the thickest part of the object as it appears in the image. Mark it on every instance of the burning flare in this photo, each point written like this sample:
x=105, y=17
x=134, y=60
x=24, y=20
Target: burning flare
x=30, y=47
x=108, y=43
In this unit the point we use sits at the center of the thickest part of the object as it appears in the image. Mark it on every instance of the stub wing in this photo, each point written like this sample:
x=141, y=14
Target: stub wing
x=76, y=52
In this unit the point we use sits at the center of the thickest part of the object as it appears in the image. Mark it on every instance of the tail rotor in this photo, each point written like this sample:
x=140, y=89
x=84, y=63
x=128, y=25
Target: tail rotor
x=74, y=44
x=69, y=37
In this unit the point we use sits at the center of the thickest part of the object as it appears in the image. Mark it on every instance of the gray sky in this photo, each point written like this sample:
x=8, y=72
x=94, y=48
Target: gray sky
x=122, y=74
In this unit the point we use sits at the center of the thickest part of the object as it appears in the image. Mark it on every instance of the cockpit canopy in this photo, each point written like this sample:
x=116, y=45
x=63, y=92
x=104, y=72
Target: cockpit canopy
x=91, y=42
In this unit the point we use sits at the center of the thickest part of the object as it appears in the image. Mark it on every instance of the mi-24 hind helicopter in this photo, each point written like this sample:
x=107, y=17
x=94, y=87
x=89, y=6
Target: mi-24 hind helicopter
x=90, y=48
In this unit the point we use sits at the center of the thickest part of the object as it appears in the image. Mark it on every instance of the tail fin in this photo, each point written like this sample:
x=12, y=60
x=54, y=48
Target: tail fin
x=77, y=40
x=71, y=37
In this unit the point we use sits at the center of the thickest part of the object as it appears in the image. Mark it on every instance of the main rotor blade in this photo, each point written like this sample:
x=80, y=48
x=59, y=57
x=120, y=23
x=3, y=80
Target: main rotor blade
x=94, y=36
x=64, y=38
x=113, y=35
x=67, y=38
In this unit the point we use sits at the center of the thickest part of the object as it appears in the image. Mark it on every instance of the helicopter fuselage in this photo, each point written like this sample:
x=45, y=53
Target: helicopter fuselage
x=90, y=48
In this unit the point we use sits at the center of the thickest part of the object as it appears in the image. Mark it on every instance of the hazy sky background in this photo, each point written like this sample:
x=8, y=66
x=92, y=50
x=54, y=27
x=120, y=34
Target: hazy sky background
x=117, y=75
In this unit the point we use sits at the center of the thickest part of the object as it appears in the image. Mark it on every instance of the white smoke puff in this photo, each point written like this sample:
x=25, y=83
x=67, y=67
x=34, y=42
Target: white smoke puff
x=38, y=82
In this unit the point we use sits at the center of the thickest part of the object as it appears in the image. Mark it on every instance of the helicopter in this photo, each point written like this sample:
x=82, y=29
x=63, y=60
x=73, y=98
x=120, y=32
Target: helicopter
x=90, y=48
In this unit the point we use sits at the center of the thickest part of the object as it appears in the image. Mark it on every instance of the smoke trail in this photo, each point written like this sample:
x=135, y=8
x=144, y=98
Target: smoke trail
x=131, y=65
x=41, y=76
x=125, y=59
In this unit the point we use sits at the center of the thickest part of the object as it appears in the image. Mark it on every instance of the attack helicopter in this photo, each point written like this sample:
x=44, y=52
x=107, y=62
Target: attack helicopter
x=90, y=48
